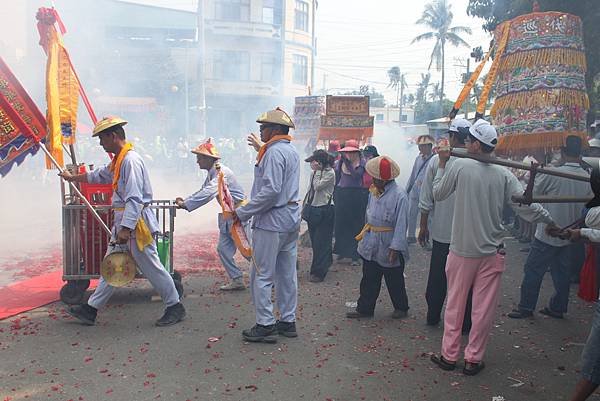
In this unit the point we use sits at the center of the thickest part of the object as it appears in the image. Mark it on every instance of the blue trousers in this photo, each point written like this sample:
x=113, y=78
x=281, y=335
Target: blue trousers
x=274, y=257
x=226, y=248
x=558, y=259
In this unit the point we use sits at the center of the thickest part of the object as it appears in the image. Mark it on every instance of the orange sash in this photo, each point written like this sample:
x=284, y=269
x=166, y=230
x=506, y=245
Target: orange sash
x=263, y=149
x=115, y=166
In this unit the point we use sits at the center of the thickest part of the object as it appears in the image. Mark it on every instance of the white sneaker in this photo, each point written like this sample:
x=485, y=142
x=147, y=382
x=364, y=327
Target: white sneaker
x=234, y=285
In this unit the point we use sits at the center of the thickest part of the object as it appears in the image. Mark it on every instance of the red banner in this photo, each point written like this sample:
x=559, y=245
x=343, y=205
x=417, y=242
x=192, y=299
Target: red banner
x=22, y=126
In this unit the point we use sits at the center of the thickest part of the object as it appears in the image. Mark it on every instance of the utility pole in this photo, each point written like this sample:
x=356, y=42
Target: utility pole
x=468, y=75
x=464, y=79
x=313, y=46
x=401, y=101
x=200, y=66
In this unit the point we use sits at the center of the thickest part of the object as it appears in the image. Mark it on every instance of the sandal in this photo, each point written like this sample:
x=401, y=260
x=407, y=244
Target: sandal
x=474, y=369
x=442, y=362
x=549, y=312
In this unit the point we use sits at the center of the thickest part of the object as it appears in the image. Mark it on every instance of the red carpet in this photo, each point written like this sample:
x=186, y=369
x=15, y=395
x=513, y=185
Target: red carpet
x=30, y=293
x=41, y=278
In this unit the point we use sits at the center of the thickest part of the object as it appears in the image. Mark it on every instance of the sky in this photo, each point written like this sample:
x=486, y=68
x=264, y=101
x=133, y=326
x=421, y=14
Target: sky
x=357, y=44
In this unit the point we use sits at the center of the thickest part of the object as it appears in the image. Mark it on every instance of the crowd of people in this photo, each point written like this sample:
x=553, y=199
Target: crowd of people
x=355, y=209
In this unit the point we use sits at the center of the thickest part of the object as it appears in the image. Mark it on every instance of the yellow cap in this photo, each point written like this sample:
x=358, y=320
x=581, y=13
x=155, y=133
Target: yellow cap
x=425, y=140
x=106, y=123
x=276, y=116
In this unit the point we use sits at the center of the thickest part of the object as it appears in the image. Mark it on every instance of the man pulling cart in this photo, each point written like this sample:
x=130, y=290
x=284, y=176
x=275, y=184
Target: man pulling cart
x=134, y=224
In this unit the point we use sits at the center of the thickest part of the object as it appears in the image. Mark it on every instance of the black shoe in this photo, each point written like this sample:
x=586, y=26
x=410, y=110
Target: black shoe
x=519, y=314
x=261, y=334
x=173, y=314
x=443, y=363
x=399, y=314
x=85, y=313
x=357, y=315
x=315, y=279
x=551, y=313
x=473, y=369
x=286, y=329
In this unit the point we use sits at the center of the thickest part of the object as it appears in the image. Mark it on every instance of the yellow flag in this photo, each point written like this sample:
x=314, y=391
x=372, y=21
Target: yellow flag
x=62, y=97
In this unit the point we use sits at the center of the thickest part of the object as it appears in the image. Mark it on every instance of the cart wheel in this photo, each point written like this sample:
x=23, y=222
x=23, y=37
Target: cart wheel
x=178, y=287
x=176, y=276
x=83, y=285
x=71, y=294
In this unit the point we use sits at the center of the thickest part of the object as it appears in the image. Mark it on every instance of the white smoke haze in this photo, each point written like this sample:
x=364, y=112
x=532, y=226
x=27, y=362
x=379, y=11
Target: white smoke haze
x=30, y=197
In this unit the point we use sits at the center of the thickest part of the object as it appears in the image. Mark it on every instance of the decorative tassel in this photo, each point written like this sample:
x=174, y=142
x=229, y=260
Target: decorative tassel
x=547, y=56
x=535, y=141
x=540, y=98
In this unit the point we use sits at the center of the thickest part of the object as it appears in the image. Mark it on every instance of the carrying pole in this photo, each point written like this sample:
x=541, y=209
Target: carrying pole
x=462, y=153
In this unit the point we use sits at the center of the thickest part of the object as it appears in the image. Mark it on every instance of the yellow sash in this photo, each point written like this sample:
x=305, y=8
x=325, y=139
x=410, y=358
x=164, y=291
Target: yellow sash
x=263, y=149
x=115, y=166
x=143, y=236
x=375, y=191
x=368, y=227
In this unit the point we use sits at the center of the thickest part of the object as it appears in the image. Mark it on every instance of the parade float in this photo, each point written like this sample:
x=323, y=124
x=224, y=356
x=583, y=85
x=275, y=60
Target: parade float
x=538, y=77
x=329, y=118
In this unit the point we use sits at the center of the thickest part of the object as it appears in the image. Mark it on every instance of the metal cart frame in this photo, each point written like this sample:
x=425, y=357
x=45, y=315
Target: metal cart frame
x=85, y=244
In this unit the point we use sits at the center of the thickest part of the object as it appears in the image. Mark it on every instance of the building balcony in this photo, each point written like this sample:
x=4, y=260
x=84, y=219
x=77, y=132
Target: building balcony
x=243, y=28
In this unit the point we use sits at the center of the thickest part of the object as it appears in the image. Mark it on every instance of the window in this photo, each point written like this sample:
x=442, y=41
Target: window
x=404, y=118
x=232, y=10
x=379, y=117
x=301, y=16
x=272, y=12
x=231, y=65
x=300, y=70
x=268, y=71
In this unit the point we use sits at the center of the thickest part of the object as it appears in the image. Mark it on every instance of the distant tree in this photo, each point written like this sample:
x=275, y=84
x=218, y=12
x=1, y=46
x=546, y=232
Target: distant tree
x=496, y=11
x=421, y=94
x=435, y=91
x=376, y=99
x=438, y=16
x=398, y=82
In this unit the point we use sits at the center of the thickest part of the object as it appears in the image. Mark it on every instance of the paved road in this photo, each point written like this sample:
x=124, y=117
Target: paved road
x=44, y=355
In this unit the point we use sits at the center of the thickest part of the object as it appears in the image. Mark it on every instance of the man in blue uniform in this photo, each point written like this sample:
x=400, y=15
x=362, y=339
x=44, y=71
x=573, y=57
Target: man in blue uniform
x=275, y=209
x=134, y=224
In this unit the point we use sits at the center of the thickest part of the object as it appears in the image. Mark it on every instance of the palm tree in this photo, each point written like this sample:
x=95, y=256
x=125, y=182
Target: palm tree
x=398, y=82
x=437, y=16
x=421, y=95
x=435, y=91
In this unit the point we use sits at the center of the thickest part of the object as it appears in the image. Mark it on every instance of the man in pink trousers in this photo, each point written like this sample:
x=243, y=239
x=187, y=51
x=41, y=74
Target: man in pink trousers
x=476, y=255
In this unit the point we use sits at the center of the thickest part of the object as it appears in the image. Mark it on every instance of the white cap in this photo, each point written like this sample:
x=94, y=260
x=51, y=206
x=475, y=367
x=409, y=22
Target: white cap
x=484, y=132
x=459, y=123
x=594, y=143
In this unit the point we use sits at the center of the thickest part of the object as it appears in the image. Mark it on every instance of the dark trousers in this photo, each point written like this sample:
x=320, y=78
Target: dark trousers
x=577, y=260
x=437, y=286
x=370, y=285
x=541, y=256
x=321, y=239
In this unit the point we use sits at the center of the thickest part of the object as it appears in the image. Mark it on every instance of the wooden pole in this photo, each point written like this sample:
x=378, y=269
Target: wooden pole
x=549, y=199
x=74, y=188
x=462, y=153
